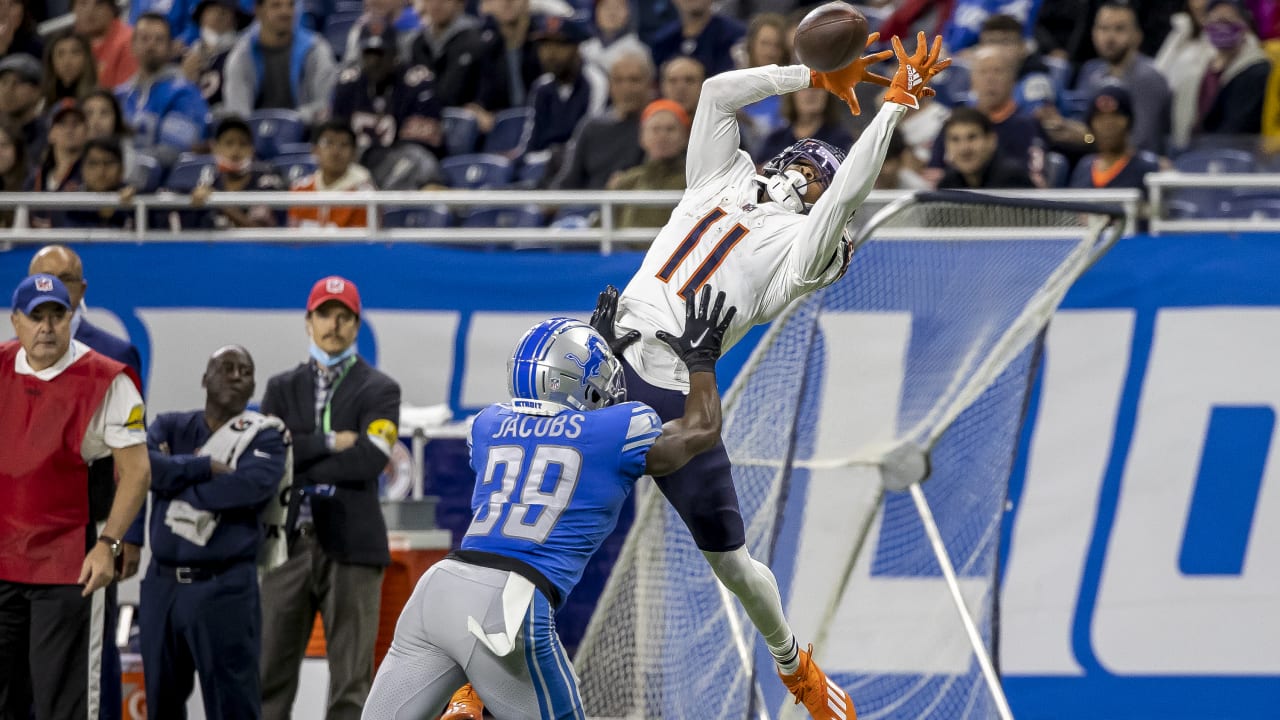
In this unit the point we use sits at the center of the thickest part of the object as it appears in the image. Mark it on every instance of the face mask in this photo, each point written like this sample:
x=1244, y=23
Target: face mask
x=1224, y=35
x=230, y=167
x=215, y=39
x=328, y=360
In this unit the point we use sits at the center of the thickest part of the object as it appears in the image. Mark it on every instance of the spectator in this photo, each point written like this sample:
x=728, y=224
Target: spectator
x=1117, y=38
x=569, y=91
x=664, y=135
x=992, y=73
x=681, y=80
x=612, y=35
x=13, y=166
x=59, y=169
x=513, y=60
x=69, y=71
x=700, y=33
x=103, y=171
x=104, y=118
x=449, y=45
x=899, y=169
x=808, y=113
x=110, y=38
x=400, y=15
x=335, y=151
x=237, y=171
x=65, y=407
x=1062, y=28
x=18, y=32
x=219, y=23
x=1035, y=85
x=1115, y=164
x=166, y=111
x=1233, y=85
x=972, y=160
x=343, y=415
x=1185, y=46
x=277, y=65
x=394, y=111
x=610, y=142
x=20, y=101
x=765, y=45
x=213, y=472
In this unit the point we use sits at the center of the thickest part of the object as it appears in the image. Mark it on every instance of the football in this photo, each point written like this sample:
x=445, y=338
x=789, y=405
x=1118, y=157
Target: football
x=831, y=36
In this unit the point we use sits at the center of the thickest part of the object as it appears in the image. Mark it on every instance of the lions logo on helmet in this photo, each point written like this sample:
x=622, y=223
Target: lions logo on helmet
x=562, y=364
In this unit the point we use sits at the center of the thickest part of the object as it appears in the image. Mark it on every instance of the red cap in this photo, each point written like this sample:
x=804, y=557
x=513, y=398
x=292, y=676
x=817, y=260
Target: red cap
x=334, y=288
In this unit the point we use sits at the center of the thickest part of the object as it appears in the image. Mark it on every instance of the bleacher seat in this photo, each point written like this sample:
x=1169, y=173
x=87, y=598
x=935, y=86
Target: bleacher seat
x=1253, y=207
x=1181, y=210
x=1057, y=170
x=510, y=133
x=292, y=167
x=1074, y=105
x=187, y=173
x=427, y=217
x=481, y=170
x=348, y=6
x=460, y=130
x=515, y=216
x=336, y=29
x=533, y=169
x=273, y=129
x=1215, y=161
x=147, y=174
x=579, y=216
x=294, y=148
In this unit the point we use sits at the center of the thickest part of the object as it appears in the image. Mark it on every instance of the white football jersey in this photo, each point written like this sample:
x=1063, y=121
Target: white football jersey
x=761, y=255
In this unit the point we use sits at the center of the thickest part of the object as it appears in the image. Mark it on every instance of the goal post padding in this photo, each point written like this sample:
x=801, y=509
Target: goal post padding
x=929, y=340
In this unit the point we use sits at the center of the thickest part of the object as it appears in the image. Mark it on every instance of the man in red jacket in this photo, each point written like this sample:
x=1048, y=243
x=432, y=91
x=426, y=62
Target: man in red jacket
x=64, y=407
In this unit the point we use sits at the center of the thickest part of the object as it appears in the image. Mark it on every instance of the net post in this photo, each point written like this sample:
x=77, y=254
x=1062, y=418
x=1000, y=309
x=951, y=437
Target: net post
x=970, y=629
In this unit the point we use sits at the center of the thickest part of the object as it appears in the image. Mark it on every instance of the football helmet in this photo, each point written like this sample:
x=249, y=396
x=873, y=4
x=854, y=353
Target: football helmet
x=786, y=187
x=561, y=364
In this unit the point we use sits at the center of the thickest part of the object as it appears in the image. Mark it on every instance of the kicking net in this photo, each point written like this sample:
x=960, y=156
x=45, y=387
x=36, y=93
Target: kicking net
x=920, y=357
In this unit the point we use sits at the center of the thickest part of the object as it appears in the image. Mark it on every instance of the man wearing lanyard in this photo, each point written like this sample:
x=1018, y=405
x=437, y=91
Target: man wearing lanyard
x=342, y=414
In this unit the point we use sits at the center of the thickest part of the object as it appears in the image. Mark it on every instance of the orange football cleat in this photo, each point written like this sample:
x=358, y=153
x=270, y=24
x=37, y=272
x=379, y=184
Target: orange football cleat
x=464, y=705
x=822, y=698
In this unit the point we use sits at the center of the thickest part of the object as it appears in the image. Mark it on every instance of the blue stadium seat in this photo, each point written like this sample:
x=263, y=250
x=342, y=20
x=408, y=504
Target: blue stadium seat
x=1074, y=104
x=952, y=85
x=481, y=170
x=294, y=148
x=571, y=216
x=274, y=128
x=515, y=216
x=1215, y=161
x=348, y=6
x=292, y=167
x=460, y=130
x=336, y=29
x=1253, y=207
x=436, y=216
x=147, y=174
x=533, y=169
x=510, y=133
x=1057, y=170
x=1181, y=210
x=186, y=174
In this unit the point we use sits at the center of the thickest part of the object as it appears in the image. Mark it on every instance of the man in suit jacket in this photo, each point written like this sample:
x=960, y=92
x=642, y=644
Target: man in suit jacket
x=342, y=414
x=63, y=263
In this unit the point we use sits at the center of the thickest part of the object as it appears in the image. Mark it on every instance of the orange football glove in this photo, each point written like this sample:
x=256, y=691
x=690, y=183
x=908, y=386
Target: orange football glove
x=840, y=82
x=911, y=82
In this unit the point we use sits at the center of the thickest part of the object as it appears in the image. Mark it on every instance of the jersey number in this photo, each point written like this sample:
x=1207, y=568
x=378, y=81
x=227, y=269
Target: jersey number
x=711, y=261
x=545, y=505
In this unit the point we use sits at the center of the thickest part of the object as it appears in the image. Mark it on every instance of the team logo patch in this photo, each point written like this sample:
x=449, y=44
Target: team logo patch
x=384, y=429
x=334, y=285
x=595, y=358
x=134, y=421
x=44, y=284
x=240, y=425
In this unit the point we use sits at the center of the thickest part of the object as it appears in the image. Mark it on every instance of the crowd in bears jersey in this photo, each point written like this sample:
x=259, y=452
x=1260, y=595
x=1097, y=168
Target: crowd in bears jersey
x=208, y=95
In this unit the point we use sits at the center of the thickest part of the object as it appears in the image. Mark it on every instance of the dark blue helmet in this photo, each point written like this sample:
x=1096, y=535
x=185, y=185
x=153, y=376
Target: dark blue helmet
x=824, y=157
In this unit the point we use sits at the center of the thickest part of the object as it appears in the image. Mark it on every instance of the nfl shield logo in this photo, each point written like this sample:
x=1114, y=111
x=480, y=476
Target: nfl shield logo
x=44, y=284
x=334, y=285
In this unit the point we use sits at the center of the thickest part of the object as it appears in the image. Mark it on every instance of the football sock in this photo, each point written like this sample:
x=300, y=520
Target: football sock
x=757, y=590
x=787, y=656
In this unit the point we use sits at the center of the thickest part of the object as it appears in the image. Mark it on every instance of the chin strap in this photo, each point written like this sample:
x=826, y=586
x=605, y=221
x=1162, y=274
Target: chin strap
x=784, y=189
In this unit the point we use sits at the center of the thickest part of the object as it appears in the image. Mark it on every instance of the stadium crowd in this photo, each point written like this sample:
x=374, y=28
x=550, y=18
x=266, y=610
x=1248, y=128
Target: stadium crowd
x=197, y=97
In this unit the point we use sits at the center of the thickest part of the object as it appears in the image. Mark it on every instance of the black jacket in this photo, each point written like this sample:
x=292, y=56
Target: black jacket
x=458, y=62
x=349, y=522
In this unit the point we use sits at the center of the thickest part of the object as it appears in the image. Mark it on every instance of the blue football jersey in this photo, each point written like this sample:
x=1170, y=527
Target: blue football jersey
x=549, y=488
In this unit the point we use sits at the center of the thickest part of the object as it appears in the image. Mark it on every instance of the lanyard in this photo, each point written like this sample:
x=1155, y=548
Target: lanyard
x=333, y=390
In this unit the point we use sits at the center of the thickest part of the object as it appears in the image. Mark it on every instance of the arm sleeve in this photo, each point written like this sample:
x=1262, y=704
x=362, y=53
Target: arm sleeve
x=715, y=124
x=237, y=81
x=359, y=465
x=823, y=228
x=322, y=73
x=184, y=125
x=253, y=482
x=119, y=422
x=643, y=430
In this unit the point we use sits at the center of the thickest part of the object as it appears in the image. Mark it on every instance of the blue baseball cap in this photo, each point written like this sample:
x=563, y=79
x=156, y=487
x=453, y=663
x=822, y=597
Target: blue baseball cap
x=37, y=290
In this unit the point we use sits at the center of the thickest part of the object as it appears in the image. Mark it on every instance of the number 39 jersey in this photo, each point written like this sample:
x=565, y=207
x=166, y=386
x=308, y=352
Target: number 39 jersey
x=549, y=489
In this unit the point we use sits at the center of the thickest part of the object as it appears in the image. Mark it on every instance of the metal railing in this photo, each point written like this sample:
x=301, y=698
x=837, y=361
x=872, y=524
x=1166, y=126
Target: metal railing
x=605, y=236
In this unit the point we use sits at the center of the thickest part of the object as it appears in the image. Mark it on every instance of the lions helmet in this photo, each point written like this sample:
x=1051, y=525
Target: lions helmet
x=561, y=364
x=787, y=188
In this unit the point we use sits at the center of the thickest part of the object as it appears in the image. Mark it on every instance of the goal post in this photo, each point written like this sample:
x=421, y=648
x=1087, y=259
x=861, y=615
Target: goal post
x=916, y=364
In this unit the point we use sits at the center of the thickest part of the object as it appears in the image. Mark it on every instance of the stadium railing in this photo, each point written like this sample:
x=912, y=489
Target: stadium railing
x=606, y=236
